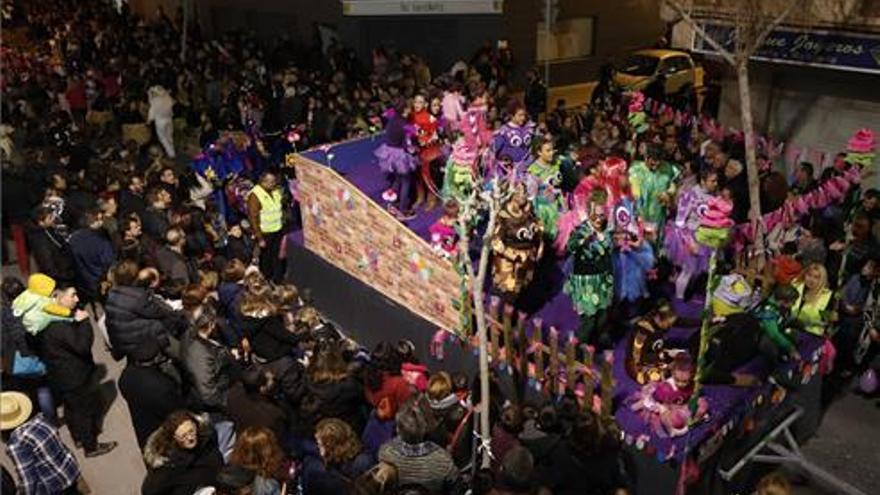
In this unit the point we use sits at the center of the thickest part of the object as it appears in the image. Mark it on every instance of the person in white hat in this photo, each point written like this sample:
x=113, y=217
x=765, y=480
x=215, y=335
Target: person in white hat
x=43, y=463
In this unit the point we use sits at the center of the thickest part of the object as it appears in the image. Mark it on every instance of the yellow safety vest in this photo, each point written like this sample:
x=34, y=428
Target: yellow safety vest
x=811, y=313
x=270, y=209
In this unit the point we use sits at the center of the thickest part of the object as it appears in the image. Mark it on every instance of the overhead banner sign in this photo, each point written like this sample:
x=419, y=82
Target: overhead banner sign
x=855, y=52
x=420, y=7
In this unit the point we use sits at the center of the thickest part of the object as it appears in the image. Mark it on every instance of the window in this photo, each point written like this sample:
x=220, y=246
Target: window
x=570, y=39
x=675, y=64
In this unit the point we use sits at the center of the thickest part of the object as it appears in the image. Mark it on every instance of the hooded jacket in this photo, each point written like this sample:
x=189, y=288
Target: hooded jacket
x=139, y=324
x=35, y=307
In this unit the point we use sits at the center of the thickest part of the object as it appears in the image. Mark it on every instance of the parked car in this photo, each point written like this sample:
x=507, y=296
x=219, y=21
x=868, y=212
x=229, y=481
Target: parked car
x=642, y=67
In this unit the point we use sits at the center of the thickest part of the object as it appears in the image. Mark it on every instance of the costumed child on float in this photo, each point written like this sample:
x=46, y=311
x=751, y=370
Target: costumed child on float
x=430, y=150
x=648, y=355
x=517, y=245
x=513, y=141
x=664, y=405
x=444, y=237
x=397, y=161
x=461, y=173
x=543, y=179
x=591, y=284
x=684, y=252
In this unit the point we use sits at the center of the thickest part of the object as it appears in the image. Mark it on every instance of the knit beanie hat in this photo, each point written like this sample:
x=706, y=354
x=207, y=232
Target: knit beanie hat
x=41, y=284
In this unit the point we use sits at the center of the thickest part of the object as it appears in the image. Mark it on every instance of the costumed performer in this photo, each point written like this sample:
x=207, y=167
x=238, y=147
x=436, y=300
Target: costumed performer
x=690, y=257
x=444, y=238
x=653, y=188
x=517, y=245
x=665, y=405
x=591, y=284
x=513, y=141
x=633, y=258
x=647, y=355
x=462, y=167
x=542, y=181
x=396, y=160
x=430, y=149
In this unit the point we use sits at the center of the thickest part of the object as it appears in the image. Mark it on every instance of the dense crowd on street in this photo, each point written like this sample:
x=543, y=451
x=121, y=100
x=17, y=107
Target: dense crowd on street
x=236, y=383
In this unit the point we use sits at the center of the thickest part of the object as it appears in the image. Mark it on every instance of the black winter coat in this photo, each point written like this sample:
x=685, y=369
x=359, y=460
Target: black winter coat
x=269, y=337
x=181, y=472
x=151, y=396
x=52, y=253
x=139, y=324
x=210, y=371
x=66, y=348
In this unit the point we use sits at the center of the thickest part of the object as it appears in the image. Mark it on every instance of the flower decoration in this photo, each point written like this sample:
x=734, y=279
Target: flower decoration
x=418, y=265
x=389, y=196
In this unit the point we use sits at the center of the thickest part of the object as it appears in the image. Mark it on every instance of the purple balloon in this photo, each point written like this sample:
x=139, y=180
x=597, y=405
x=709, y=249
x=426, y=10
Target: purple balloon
x=868, y=381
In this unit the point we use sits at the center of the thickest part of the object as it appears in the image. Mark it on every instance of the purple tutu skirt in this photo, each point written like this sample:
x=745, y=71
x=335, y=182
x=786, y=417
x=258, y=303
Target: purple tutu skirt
x=394, y=160
x=678, y=242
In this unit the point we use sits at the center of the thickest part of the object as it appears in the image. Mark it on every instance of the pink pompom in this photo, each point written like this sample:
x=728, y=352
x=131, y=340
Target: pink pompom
x=862, y=141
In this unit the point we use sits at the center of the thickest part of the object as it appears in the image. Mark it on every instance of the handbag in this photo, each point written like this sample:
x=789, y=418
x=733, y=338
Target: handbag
x=27, y=365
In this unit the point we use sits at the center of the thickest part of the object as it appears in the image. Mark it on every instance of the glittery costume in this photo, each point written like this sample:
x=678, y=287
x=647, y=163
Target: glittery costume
x=517, y=245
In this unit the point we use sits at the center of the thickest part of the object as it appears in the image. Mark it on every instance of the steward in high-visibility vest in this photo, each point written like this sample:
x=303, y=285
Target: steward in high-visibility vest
x=264, y=207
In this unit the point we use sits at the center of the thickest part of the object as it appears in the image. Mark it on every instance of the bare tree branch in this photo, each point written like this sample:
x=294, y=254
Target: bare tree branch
x=679, y=9
x=772, y=25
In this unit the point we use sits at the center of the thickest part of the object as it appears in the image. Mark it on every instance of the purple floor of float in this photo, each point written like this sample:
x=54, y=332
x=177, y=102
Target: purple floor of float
x=354, y=160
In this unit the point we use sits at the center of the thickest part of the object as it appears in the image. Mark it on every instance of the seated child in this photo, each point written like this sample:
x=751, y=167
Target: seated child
x=664, y=405
x=647, y=357
x=37, y=309
x=444, y=239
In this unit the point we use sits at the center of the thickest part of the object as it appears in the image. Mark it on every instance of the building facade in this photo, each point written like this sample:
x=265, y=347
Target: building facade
x=814, y=81
x=583, y=34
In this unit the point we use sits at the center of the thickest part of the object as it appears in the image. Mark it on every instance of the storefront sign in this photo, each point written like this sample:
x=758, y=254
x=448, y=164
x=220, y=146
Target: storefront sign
x=834, y=50
x=420, y=7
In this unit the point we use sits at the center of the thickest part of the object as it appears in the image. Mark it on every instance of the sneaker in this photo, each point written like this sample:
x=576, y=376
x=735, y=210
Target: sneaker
x=408, y=215
x=101, y=449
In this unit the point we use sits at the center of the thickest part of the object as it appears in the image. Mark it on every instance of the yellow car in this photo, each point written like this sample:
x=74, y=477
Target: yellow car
x=641, y=67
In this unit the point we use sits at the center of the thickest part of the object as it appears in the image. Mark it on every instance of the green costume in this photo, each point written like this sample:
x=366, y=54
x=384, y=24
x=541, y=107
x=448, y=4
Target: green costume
x=543, y=184
x=647, y=185
x=591, y=284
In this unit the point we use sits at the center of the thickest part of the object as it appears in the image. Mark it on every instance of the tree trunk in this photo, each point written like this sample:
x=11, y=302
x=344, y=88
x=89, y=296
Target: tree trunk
x=748, y=128
x=477, y=285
